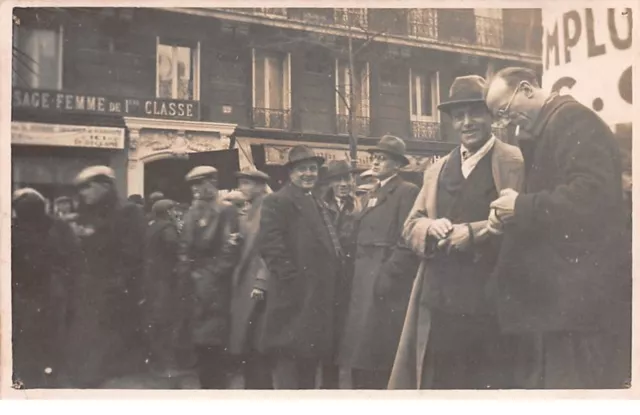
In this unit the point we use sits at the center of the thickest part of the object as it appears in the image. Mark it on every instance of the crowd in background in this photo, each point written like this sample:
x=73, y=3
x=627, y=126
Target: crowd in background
x=508, y=268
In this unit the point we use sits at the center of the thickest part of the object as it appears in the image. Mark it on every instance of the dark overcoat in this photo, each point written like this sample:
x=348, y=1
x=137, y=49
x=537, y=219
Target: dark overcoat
x=45, y=257
x=375, y=316
x=107, y=338
x=209, y=251
x=561, y=267
x=302, y=263
x=507, y=171
x=166, y=299
x=250, y=273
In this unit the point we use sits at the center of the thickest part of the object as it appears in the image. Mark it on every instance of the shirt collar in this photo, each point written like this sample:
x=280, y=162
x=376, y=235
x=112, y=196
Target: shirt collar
x=387, y=180
x=482, y=151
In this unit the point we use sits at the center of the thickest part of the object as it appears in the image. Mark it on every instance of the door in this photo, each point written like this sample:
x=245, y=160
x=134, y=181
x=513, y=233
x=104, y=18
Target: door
x=168, y=175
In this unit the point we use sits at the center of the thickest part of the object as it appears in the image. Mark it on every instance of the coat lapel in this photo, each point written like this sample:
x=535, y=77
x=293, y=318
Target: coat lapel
x=431, y=187
x=382, y=195
x=310, y=210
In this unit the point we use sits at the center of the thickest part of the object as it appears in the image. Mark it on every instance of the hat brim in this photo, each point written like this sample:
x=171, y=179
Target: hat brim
x=446, y=106
x=397, y=156
x=261, y=179
x=317, y=159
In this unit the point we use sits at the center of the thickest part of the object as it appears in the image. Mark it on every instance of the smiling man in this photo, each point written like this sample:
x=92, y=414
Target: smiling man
x=302, y=252
x=451, y=326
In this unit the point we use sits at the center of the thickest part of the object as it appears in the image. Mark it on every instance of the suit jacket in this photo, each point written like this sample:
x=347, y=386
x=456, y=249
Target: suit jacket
x=297, y=249
x=507, y=170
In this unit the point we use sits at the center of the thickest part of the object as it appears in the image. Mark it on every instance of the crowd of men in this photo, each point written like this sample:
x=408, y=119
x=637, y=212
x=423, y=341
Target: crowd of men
x=509, y=268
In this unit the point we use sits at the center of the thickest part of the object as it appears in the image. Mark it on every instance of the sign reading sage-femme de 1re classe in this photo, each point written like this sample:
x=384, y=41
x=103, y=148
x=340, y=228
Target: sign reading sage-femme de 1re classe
x=68, y=102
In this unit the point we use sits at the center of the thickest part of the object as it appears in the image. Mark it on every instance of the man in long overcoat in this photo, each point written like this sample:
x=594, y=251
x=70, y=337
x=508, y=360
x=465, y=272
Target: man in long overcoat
x=167, y=304
x=384, y=269
x=209, y=250
x=343, y=207
x=302, y=253
x=563, y=278
x=107, y=338
x=249, y=286
x=45, y=258
x=451, y=338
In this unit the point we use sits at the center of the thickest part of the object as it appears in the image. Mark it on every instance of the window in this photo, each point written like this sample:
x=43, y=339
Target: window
x=424, y=23
x=343, y=97
x=351, y=17
x=489, y=27
x=178, y=74
x=271, y=88
x=37, y=57
x=424, y=96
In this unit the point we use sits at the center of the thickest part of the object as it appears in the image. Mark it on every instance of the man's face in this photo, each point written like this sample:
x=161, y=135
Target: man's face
x=509, y=105
x=204, y=189
x=383, y=165
x=94, y=192
x=64, y=207
x=472, y=124
x=304, y=174
x=342, y=185
x=250, y=188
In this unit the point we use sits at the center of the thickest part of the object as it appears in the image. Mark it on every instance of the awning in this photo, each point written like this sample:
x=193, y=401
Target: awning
x=63, y=135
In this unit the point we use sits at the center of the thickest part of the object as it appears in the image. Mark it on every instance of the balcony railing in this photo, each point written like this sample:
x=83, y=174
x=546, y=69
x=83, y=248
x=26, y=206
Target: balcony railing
x=362, y=124
x=489, y=32
x=351, y=17
x=423, y=23
x=425, y=130
x=278, y=119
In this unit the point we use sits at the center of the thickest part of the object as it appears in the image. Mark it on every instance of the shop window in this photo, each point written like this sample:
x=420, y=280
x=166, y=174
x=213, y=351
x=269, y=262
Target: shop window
x=271, y=89
x=178, y=70
x=37, y=57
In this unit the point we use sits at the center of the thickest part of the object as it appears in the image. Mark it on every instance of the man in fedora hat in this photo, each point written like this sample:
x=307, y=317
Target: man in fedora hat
x=343, y=206
x=209, y=250
x=449, y=303
x=383, y=271
x=249, y=287
x=302, y=252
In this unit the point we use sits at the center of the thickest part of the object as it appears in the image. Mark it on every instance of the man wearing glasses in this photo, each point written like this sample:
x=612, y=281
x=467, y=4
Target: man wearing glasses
x=563, y=276
x=384, y=269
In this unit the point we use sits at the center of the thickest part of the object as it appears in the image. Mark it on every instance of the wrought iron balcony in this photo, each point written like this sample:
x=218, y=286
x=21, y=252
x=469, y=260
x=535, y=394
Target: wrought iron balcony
x=489, y=32
x=425, y=130
x=423, y=23
x=351, y=17
x=278, y=119
x=362, y=124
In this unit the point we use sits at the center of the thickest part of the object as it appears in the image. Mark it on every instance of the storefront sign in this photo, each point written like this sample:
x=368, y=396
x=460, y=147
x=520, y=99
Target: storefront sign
x=66, y=135
x=588, y=53
x=279, y=155
x=60, y=101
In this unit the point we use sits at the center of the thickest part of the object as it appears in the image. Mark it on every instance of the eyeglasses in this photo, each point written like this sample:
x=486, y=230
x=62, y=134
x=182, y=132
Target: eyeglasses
x=504, y=112
x=379, y=157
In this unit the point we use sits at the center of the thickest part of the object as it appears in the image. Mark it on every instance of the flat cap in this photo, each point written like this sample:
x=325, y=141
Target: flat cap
x=256, y=175
x=93, y=173
x=162, y=206
x=27, y=193
x=202, y=172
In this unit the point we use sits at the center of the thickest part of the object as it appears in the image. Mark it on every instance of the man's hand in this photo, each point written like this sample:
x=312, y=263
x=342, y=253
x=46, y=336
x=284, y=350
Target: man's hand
x=257, y=294
x=440, y=228
x=494, y=225
x=503, y=207
x=458, y=240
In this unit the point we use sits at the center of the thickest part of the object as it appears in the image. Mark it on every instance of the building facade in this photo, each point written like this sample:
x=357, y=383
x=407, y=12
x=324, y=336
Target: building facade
x=152, y=92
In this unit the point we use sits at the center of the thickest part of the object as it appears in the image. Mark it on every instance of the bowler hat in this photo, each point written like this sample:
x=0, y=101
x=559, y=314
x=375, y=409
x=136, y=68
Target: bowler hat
x=302, y=153
x=95, y=173
x=337, y=168
x=202, y=172
x=393, y=146
x=255, y=175
x=464, y=90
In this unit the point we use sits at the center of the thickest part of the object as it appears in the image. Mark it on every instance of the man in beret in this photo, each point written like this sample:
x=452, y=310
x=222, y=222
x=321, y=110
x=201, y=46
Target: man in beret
x=451, y=338
x=384, y=269
x=249, y=287
x=302, y=252
x=107, y=339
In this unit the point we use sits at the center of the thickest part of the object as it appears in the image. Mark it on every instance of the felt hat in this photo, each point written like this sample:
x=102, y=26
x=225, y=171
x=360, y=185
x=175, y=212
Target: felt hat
x=464, y=90
x=393, y=146
x=202, y=172
x=337, y=168
x=302, y=153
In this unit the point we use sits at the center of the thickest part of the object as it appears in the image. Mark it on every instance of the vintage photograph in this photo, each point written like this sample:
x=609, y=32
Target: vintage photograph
x=321, y=198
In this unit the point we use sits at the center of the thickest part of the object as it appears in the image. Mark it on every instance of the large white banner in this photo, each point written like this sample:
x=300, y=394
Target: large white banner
x=587, y=52
x=66, y=135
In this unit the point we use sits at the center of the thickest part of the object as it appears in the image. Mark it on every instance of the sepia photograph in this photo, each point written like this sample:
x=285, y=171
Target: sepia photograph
x=312, y=198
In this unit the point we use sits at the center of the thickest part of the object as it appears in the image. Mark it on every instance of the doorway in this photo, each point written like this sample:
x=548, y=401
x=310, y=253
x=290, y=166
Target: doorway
x=167, y=175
